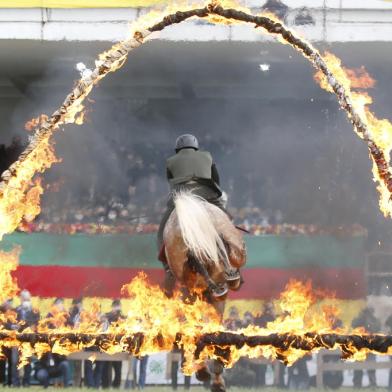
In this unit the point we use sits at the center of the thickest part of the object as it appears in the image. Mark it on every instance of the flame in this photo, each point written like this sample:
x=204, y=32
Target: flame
x=162, y=323
x=152, y=313
x=36, y=122
x=360, y=78
x=19, y=198
x=301, y=312
x=8, y=264
x=79, y=119
x=167, y=321
x=380, y=130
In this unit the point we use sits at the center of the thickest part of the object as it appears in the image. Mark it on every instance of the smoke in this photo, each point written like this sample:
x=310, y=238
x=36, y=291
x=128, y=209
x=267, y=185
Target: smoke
x=278, y=144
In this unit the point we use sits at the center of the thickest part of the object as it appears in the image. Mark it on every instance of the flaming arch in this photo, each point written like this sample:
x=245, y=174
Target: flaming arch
x=20, y=194
x=20, y=190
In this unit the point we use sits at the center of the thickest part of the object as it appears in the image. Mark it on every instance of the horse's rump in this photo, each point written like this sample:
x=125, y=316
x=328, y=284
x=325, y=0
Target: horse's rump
x=230, y=234
x=177, y=251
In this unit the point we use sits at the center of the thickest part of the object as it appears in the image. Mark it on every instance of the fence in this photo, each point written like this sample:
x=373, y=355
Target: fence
x=324, y=364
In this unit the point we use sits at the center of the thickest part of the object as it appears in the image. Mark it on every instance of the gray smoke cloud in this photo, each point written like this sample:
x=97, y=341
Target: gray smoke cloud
x=280, y=143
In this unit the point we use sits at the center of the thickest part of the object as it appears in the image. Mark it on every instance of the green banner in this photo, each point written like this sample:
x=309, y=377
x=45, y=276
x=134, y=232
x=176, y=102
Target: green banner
x=122, y=250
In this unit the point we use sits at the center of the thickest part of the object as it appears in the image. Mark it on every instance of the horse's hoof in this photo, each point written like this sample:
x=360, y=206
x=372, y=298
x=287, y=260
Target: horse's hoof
x=232, y=275
x=218, y=387
x=220, y=292
x=234, y=284
x=203, y=375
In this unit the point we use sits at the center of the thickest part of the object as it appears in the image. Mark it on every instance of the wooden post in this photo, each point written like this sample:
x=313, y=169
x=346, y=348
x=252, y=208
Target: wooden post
x=78, y=374
x=320, y=370
x=276, y=367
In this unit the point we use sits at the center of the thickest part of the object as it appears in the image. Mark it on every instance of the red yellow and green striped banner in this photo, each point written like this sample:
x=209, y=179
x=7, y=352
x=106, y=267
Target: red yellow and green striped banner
x=69, y=266
x=99, y=265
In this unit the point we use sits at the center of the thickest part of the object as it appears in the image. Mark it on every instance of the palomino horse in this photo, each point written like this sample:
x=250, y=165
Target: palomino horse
x=204, y=251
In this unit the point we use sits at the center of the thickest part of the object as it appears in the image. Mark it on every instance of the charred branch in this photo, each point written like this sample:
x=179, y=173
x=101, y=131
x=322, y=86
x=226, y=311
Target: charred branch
x=221, y=342
x=348, y=344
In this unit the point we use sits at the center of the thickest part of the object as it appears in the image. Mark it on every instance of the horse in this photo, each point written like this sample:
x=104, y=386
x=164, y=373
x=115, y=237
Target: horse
x=204, y=251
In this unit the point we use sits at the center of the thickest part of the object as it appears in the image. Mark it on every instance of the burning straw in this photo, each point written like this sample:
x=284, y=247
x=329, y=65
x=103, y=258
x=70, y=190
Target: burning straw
x=19, y=197
x=220, y=345
x=156, y=323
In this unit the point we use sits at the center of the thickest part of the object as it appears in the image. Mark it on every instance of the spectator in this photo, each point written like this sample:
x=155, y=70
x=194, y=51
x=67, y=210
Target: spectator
x=58, y=307
x=114, y=316
x=92, y=370
x=333, y=379
x=267, y=315
x=51, y=366
x=26, y=317
x=233, y=322
x=8, y=322
x=366, y=319
x=140, y=381
x=248, y=319
x=251, y=365
x=58, y=316
x=75, y=312
x=298, y=374
x=176, y=357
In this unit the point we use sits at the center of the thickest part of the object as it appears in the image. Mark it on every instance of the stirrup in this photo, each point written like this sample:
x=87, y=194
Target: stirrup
x=219, y=291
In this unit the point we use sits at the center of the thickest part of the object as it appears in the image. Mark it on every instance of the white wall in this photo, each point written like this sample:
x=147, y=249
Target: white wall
x=335, y=21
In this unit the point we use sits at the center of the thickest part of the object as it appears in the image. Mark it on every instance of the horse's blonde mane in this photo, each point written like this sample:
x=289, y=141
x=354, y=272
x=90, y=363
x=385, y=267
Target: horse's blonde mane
x=197, y=228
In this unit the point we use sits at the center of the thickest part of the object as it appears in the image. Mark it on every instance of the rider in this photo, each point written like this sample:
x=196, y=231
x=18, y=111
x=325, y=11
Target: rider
x=193, y=170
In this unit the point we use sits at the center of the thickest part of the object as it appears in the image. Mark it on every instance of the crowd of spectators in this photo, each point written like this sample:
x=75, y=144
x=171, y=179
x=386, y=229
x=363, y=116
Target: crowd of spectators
x=136, y=206
x=114, y=215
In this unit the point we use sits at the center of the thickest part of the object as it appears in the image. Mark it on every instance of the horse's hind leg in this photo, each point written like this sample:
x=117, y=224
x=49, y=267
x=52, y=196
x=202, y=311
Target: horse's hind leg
x=232, y=275
x=217, y=383
x=203, y=375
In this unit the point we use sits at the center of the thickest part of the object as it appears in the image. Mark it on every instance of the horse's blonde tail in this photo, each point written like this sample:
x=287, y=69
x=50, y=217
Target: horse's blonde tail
x=197, y=228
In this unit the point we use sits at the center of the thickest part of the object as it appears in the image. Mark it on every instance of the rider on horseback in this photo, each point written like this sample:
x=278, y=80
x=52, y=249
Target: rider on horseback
x=198, y=242
x=193, y=170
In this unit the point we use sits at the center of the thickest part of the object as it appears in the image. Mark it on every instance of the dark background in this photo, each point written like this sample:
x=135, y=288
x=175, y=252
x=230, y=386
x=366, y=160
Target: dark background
x=279, y=141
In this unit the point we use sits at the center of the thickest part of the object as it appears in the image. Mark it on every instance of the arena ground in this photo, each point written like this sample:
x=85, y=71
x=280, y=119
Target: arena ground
x=193, y=389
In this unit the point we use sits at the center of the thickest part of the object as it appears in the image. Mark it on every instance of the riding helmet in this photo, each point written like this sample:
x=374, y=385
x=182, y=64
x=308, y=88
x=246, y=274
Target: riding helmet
x=186, y=141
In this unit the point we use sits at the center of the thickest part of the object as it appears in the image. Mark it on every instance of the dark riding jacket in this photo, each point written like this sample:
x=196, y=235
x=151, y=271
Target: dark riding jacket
x=191, y=166
x=193, y=170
